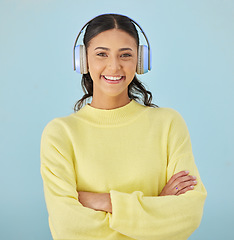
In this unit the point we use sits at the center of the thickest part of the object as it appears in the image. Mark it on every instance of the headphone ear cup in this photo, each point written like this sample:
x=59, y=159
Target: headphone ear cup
x=142, y=62
x=80, y=59
x=83, y=60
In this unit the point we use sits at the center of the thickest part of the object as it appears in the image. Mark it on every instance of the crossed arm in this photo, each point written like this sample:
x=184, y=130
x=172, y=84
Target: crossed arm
x=179, y=183
x=96, y=201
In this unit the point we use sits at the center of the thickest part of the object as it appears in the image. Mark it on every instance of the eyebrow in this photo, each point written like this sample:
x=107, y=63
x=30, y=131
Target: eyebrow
x=108, y=49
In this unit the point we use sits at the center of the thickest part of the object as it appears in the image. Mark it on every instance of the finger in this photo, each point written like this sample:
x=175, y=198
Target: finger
x=175, y=180
x=177, y=175
x=175, y=188
x=186, y=184
x=180, y=180
x=184, y=190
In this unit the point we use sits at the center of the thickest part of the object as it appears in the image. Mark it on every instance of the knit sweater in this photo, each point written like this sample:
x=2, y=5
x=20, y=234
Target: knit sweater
x=130, y=152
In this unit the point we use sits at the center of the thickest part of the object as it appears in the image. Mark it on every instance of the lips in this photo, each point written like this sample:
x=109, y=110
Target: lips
x=112, y=79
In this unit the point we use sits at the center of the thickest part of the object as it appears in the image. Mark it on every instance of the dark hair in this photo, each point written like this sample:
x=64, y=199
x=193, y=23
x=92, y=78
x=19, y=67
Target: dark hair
x=101, y=23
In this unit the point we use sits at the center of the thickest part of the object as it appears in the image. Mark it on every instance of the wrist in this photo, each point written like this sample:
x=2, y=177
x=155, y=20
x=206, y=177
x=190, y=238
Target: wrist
x=106, y=203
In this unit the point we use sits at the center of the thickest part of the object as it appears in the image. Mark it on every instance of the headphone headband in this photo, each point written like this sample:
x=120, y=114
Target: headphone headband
x=149, y=57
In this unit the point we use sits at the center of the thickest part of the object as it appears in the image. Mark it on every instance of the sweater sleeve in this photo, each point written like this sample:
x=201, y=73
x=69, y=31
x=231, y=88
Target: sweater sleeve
x=163, y=217
x=68, y=219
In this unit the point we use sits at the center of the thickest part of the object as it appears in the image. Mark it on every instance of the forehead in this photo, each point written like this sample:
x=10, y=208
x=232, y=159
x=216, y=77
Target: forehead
x=113, y=38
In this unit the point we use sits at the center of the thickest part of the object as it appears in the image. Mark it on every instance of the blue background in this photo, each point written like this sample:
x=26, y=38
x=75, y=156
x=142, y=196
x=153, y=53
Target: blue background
x=193, y=59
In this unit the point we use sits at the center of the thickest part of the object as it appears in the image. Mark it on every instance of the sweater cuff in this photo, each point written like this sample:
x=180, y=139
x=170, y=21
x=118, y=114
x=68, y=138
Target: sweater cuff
x=123, y=206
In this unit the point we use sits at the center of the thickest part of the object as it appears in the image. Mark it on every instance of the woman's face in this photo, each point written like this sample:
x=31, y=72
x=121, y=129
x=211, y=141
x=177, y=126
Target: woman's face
x=112, y=61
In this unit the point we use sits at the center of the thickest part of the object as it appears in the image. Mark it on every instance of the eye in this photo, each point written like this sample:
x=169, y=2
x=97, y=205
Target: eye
x=102, y=54
x=126, y=55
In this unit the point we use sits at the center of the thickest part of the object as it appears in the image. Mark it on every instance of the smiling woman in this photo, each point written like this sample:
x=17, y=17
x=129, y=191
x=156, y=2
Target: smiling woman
x=115, y=168
x=114, y=39
x=112, y=61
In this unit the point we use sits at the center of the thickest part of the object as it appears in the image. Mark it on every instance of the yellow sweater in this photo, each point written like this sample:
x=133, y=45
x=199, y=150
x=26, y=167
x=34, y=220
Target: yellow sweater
x=130, y=152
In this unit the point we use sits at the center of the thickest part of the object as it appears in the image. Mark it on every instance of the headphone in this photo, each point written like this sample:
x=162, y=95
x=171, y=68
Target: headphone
x=80, y=60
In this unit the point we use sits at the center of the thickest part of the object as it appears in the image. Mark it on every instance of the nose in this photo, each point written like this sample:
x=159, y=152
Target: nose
x=114, y=63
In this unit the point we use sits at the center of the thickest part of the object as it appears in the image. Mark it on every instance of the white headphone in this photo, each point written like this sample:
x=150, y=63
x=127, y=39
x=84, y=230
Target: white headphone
x=80, y=60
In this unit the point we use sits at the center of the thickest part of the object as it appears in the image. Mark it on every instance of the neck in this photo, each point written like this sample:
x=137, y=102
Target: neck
x=109, y=103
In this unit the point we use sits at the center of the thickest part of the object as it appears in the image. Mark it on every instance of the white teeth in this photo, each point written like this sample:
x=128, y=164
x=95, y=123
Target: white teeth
x=112, y=78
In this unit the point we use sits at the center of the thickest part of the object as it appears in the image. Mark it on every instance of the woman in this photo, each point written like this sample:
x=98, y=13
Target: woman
x=118, y=169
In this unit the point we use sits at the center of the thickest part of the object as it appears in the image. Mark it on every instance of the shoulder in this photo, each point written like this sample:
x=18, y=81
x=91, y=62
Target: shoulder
x=165, y=113
x=167, y=119
x=59, y=125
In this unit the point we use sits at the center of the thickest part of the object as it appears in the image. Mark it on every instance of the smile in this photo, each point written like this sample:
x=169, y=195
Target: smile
x=113, y=79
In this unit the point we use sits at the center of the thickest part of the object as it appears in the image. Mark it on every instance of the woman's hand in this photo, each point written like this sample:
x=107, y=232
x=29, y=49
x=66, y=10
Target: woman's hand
x=96, y=201
x=179, y=183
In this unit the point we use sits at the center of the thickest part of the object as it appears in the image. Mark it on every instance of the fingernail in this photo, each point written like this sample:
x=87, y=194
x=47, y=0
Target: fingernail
x=192, y=187
x=186, y=172
x=195, y=182
x=194, y=177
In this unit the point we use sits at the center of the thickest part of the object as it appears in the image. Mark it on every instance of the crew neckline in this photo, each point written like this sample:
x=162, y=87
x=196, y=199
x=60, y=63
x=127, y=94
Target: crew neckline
x=110, y=117
x=89, y=106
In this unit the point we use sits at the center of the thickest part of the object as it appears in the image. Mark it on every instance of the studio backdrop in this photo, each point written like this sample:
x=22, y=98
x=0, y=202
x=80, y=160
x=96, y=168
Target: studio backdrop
x=192, y=72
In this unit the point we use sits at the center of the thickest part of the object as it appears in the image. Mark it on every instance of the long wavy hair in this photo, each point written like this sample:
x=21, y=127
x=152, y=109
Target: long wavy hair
x=101, y=23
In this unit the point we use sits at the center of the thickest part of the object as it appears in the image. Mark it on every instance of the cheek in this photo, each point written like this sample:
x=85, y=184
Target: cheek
x=131, y=67
x=134, y=62
x=94, y=66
